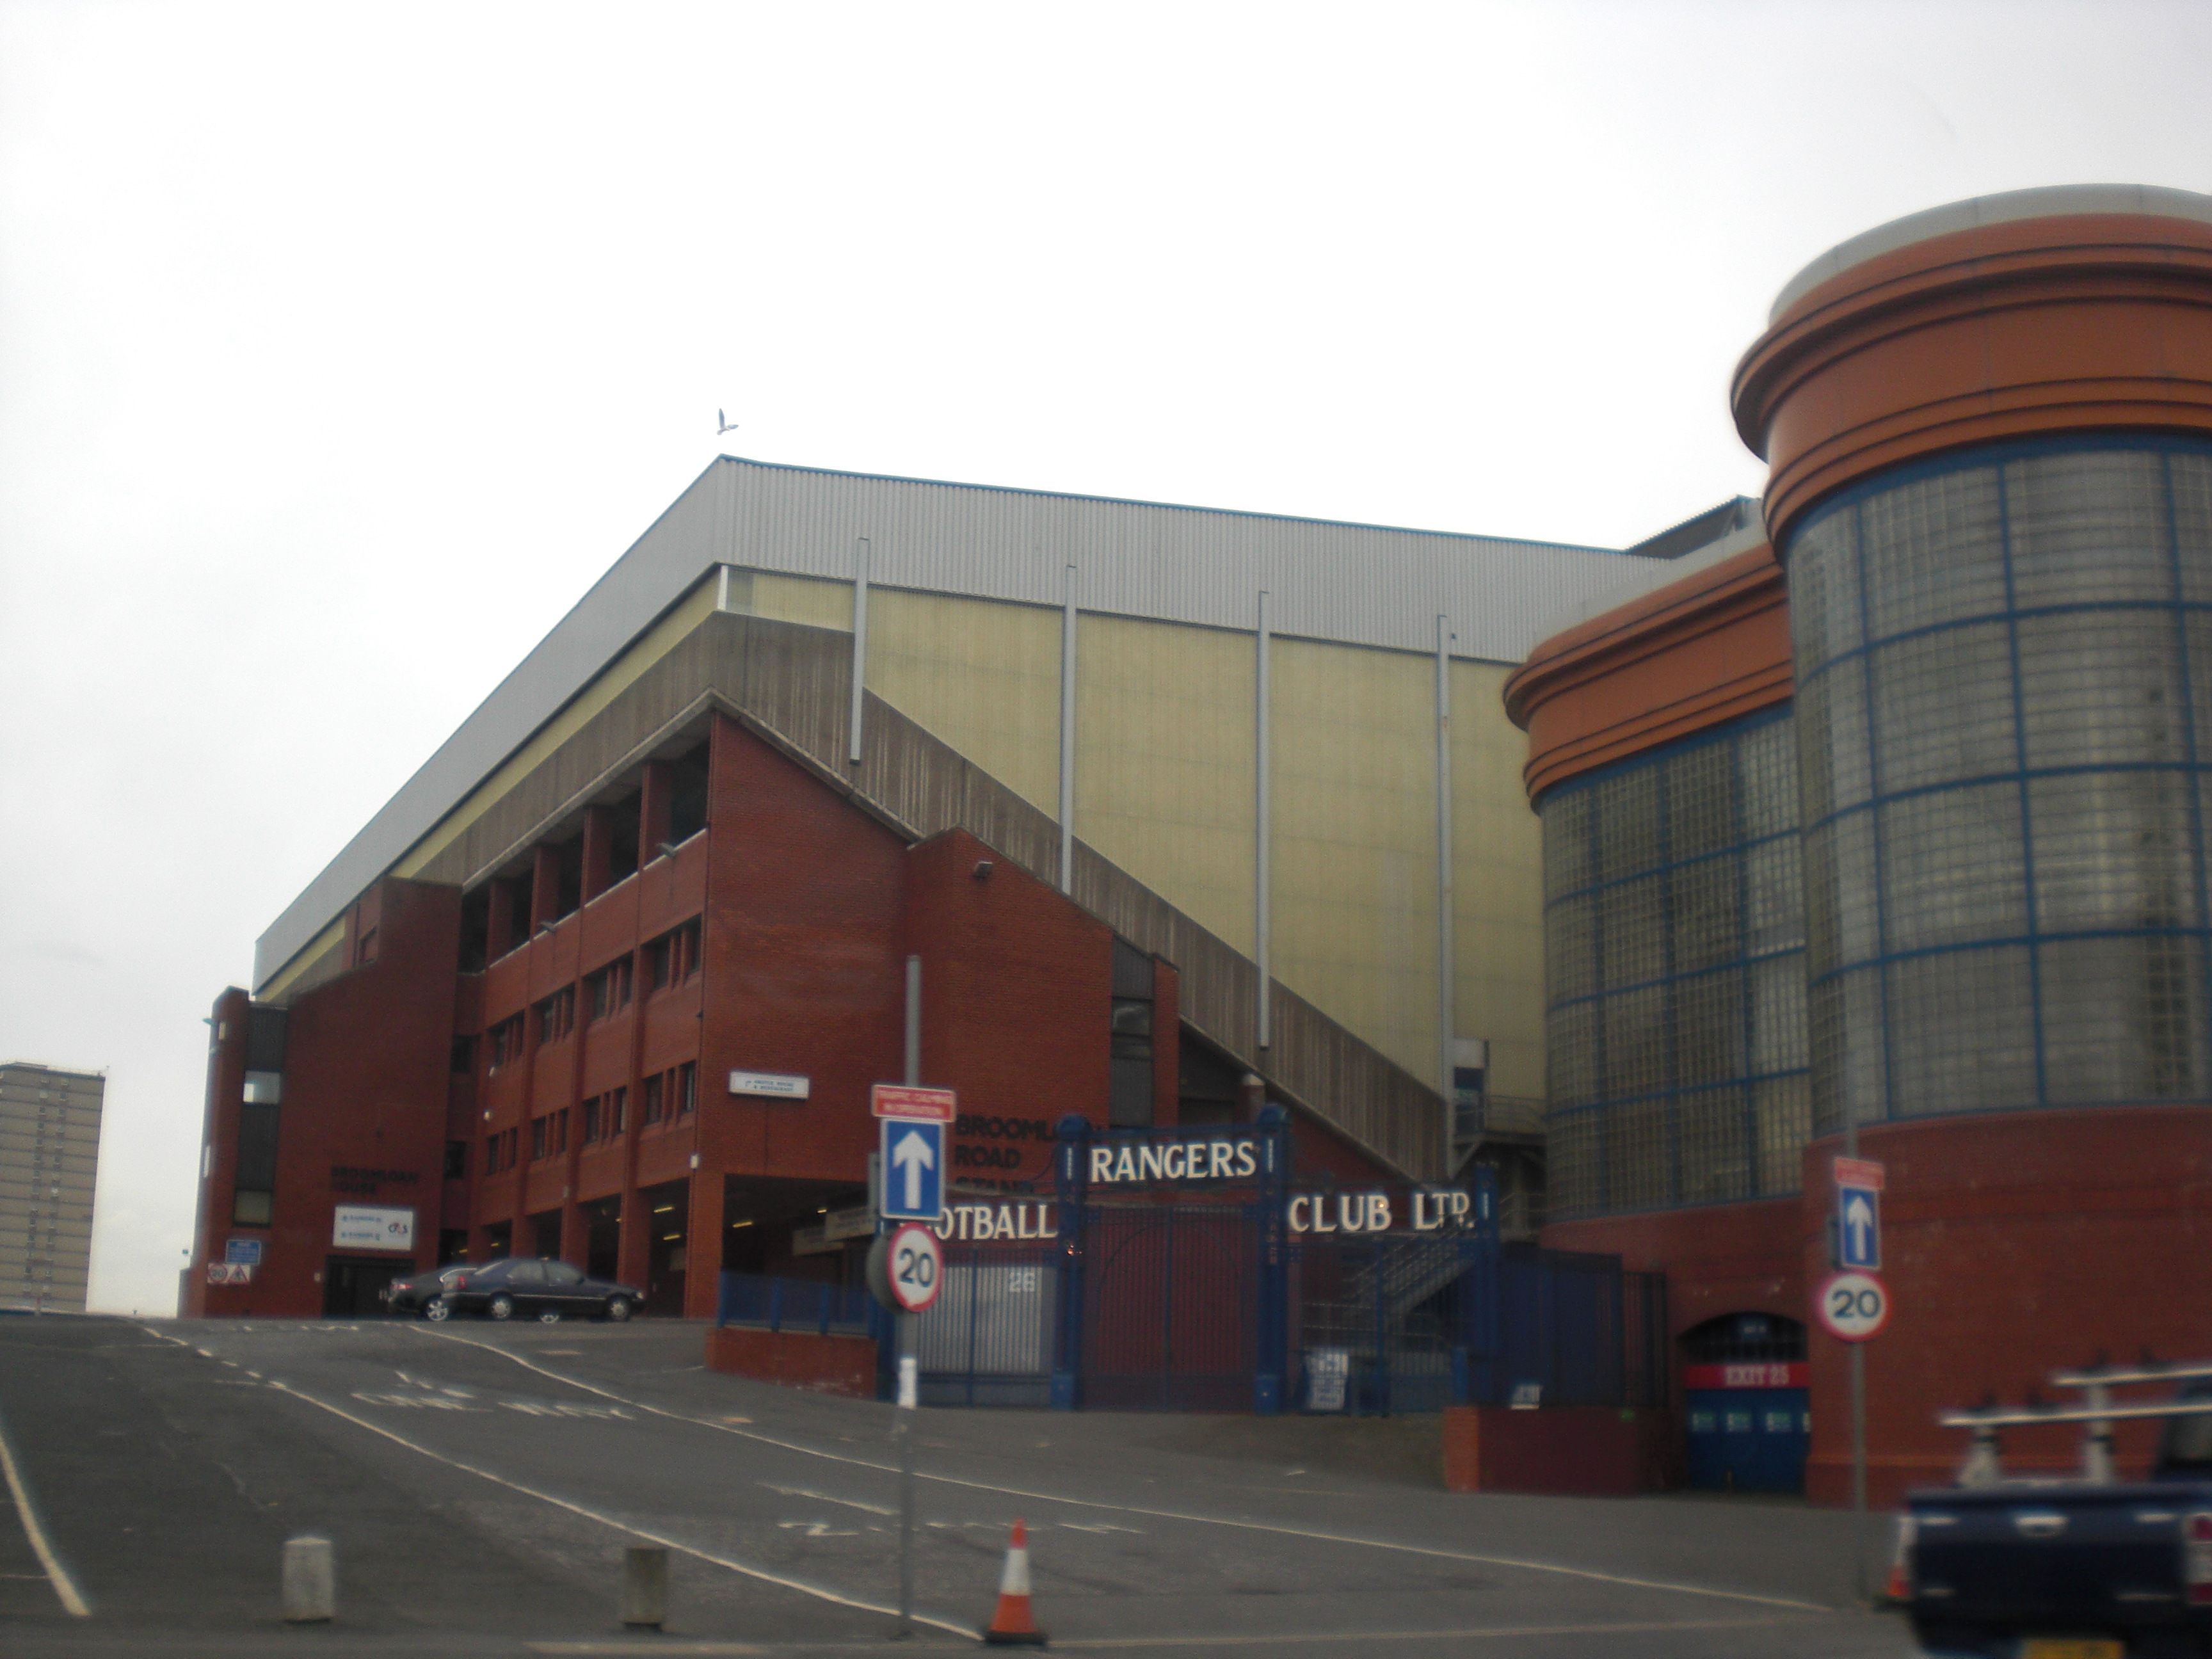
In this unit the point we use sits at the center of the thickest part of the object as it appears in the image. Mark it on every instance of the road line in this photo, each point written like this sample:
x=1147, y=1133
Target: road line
x=1477, y=1633
x=1279, y=1530
x=808, y=1492
x=819, y=1591
x=27, y=1511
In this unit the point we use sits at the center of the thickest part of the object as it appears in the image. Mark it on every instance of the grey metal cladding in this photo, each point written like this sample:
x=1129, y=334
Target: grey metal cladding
x=1356, y=584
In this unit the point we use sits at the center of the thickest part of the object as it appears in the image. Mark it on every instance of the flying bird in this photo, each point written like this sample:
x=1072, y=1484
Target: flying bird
x=722, y=423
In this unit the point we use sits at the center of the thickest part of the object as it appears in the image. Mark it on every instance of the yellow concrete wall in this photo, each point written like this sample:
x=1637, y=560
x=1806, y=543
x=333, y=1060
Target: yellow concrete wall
x=983, y=675
x=1498, y=874
x=1355, y=862
x=1163, y=763
x=814, y=600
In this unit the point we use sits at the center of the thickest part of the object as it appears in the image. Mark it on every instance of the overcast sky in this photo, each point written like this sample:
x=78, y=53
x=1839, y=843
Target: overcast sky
x=341, y=348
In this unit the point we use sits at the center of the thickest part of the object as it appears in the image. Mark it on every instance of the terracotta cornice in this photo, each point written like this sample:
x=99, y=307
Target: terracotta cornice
x=1698, y=653
x=2083, y=322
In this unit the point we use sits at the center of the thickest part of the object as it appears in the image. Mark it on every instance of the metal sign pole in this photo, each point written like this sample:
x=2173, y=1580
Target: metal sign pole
x=908, y=1400
x=1858, y=1394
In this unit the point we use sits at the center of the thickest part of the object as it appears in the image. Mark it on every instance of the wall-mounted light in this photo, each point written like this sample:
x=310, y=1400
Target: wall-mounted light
x=983, y=868
x=665, y=848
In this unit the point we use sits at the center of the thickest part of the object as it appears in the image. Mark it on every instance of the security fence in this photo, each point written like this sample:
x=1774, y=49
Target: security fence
x=1183, y=1272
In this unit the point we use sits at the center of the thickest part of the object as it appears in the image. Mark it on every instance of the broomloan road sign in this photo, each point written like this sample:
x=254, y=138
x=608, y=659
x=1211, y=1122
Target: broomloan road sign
x=914, y=1169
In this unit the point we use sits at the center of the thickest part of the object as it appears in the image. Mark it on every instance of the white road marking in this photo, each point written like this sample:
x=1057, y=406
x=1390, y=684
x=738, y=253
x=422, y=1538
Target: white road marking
x=1475, y=1633
x=821, y=1592
x=1590, y=1573
x=816, y=1529
x=823, y=1497
x=72, y=1598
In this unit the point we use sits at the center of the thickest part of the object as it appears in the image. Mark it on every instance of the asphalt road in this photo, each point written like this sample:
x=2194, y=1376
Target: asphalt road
x=479, y=1483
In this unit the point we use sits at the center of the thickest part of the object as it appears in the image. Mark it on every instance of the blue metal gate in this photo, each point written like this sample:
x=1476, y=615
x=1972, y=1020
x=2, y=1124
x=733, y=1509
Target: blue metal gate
x=1179, y=1272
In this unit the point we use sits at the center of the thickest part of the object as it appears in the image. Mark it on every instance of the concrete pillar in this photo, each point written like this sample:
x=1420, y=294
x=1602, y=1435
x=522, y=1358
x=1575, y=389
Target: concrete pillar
x=703, y=1273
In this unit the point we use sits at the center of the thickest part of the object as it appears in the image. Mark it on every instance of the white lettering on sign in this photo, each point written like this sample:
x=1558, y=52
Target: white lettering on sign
x=1346, y=1213
x=1775, y=1376
x=1180, y=1160
x=772, y=1085
x=1002, y=1223
x=1370, y=1212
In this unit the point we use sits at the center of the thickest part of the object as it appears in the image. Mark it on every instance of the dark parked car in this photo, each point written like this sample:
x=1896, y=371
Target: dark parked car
x=516, y=1289
x=412, y=1295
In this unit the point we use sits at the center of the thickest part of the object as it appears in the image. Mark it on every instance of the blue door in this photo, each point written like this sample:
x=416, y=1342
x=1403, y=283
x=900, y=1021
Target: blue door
x=1748, y=1439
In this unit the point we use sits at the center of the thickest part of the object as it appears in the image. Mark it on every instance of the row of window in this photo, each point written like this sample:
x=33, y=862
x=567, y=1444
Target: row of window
x=670, y=960
x=669, y=1096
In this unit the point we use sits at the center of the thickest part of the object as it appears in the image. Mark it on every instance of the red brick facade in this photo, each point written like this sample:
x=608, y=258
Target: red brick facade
x=807, y=910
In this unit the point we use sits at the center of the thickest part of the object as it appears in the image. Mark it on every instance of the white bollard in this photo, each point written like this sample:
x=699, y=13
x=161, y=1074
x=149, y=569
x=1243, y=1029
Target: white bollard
x=311, y=1582
x=644, y=1588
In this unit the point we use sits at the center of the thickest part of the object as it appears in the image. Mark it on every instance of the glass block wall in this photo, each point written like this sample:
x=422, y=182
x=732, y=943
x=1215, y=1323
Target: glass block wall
x=1675, y=976
x=2004, y=719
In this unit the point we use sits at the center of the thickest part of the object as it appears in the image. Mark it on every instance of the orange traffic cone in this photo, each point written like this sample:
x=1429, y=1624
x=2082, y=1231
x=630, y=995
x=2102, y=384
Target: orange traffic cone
x=1014, y=1625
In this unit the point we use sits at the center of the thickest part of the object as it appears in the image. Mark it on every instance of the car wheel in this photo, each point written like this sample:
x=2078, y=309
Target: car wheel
x=437, y=1310
x=500, y=1306
x=620, y=1310
x=549, y=1317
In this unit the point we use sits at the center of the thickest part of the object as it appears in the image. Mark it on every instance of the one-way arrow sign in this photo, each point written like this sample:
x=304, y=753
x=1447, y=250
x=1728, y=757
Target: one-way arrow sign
x=913, y=1165
x=1858, y=1228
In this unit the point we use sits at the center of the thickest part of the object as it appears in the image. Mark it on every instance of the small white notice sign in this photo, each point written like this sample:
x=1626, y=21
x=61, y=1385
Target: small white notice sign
x=774, y=1085
x=360, y=1228
x=1327, y=1371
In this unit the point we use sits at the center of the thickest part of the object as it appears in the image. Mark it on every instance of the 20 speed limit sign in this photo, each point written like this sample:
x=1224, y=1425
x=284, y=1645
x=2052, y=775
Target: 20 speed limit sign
x=1852, y=1306
x=916, y=1265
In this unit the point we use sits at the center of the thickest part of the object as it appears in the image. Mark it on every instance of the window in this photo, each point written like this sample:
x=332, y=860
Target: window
x=652, y=1098
x=491, y=1155
x=367, y=951
x=539, y=1126
x=557, y=1016
x=607, y=991
x=561, y=1130
x=506, y=1042
x=560, y=1273
x=687, y=1088
x=674, y=956
x=1129, y=1023
x=591, y=1120
x=617, y=1105
x=457, y=1160
x=463, y=1059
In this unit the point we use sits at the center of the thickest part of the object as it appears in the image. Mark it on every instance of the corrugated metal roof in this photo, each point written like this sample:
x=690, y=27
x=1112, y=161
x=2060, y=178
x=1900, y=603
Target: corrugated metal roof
x=1354, y=583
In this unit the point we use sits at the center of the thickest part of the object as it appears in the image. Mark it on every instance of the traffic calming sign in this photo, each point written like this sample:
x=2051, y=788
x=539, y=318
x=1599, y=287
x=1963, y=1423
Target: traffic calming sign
x=1852, y=1307
x=905, y=1101
x=913, y=1155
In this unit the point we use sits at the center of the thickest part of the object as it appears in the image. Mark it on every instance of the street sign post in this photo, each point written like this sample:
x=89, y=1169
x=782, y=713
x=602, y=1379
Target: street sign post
x=1852, y=1307
x=913, y=1154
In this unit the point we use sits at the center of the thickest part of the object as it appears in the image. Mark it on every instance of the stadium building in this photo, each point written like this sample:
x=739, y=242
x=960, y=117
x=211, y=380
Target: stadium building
x=1884, y=806
x=609, y=978
x=1893, y=809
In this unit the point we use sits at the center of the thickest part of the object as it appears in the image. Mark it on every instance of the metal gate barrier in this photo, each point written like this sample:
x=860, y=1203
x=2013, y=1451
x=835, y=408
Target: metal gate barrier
x=1179, y=1271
